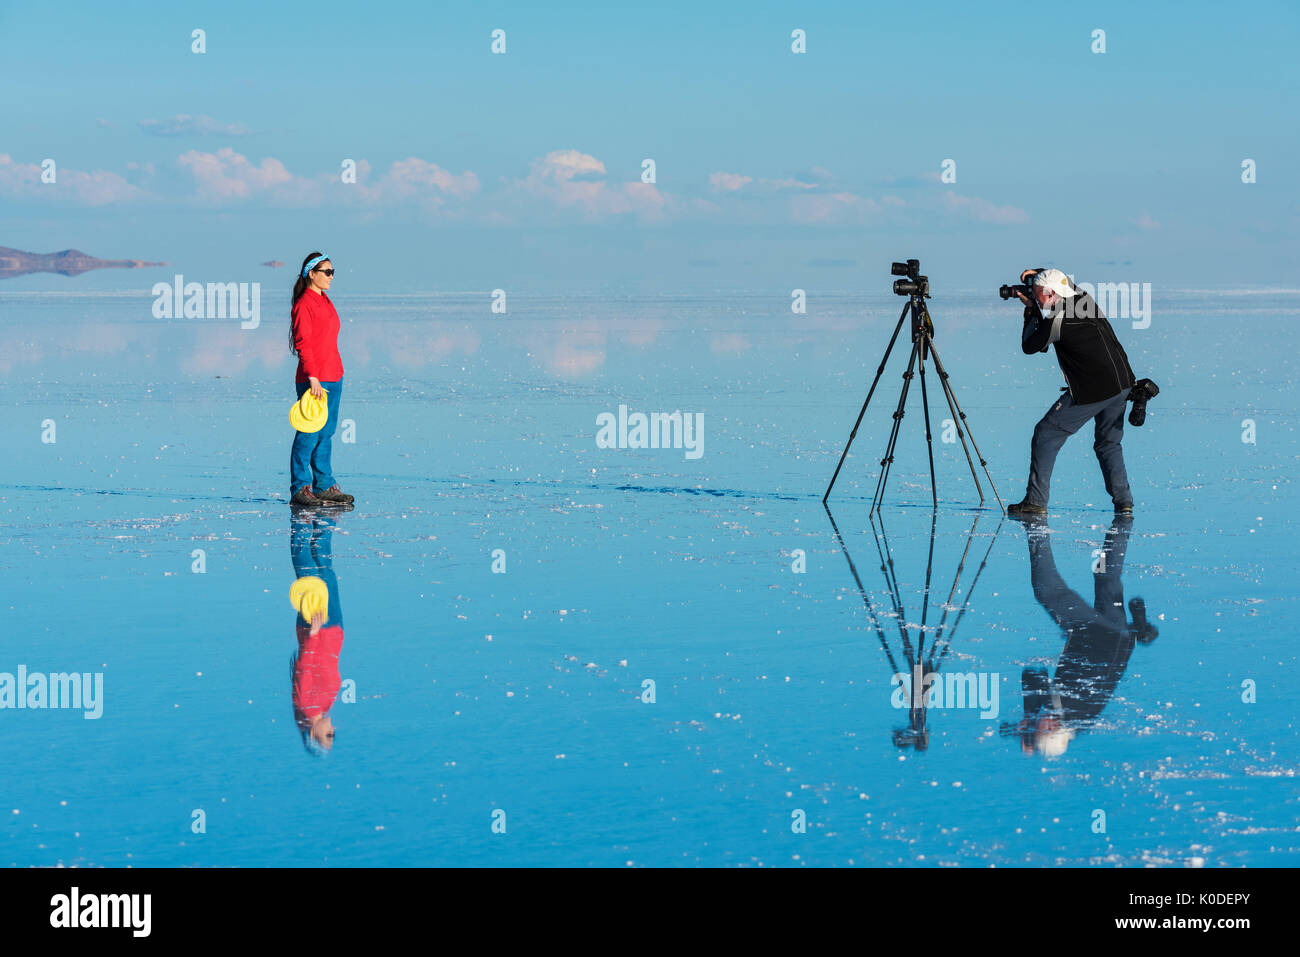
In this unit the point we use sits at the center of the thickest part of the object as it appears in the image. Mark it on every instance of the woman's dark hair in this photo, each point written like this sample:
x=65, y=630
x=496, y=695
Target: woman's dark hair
x=299, y=288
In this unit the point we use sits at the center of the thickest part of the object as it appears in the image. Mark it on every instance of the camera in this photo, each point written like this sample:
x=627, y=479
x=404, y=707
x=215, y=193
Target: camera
x=915, y=284
x=1009, y=292
x=1144, y=389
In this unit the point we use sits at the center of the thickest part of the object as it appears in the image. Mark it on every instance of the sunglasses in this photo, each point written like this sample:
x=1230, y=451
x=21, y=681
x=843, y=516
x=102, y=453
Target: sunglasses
x=328, y=272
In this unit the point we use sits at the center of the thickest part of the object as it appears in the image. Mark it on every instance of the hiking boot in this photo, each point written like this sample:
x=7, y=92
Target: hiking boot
x=306, y=498
x=1026, y=509
x=335, y=494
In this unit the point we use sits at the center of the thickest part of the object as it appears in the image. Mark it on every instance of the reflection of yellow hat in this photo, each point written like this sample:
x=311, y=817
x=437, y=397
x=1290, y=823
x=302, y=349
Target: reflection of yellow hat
x=309, y=595
x=309, y=413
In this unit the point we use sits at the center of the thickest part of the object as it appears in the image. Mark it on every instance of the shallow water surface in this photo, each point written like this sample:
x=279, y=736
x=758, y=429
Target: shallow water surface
x=677, y=660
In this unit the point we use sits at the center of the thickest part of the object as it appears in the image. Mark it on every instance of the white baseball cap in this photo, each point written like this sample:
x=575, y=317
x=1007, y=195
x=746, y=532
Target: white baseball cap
x=1056, y=281
x=1053, y=744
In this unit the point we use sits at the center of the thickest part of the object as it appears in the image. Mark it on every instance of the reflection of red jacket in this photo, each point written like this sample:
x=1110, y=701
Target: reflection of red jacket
x=316, y=337
x=316, y=672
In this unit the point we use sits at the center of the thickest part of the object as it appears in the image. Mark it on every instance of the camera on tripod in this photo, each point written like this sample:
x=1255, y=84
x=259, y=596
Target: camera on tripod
x=915, y=284
x=917, y=289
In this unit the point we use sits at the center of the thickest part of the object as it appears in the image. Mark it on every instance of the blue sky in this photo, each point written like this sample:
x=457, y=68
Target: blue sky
x=772, y=168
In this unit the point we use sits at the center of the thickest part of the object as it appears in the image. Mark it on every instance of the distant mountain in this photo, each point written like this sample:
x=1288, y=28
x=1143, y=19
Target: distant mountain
x=68, y=262
x=273, y=263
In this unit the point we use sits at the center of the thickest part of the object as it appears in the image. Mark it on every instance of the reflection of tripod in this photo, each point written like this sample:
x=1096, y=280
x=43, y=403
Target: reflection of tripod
x=922, y=663
x=917, y=290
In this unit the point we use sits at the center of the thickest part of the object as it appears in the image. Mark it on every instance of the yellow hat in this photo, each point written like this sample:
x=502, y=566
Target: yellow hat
x=309, y=595
x=309, y=413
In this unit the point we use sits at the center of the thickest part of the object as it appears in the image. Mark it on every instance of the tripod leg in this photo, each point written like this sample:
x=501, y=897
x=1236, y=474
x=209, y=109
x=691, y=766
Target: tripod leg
x=925, y=599
x=891, y=584
x=853, y=434
x=961, y=417
x=970, y=591
x=887, y=567
x=888, y=460
x=957, y=421
x=866, y=600
x=980, y=455
x=925, y=405
x=956, y=579
x=887, y=463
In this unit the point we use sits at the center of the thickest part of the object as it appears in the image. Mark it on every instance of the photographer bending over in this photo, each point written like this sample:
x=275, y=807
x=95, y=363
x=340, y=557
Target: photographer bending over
x=1098, y=380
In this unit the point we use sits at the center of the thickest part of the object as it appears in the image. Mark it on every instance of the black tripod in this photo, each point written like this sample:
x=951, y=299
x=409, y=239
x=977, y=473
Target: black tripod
x=917, y=290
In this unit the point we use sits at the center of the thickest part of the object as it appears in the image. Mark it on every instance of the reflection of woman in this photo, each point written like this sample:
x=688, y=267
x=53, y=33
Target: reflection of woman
x=314, y=339
x=315, y=665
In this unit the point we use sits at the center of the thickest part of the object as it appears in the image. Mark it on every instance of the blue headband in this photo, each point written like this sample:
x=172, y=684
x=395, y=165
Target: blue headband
x=311, y=264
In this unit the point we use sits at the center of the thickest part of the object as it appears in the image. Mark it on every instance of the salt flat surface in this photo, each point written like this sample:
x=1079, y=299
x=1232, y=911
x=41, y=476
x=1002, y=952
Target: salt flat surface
x=523, y=692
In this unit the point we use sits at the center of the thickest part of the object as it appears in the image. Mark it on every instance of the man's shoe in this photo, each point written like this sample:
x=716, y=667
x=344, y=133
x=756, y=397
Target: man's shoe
x=1026, y=509
x=334, y=494
x=306, y=498
x=1124, y=509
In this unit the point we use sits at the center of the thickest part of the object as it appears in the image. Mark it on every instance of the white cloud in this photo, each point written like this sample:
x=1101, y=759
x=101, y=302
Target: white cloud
x=728, y=182
x=554, y=179
x=723, y=182
x=226, y=174
x=788, y=182
x=185, y=125
x=984, y=210
x=564, y=165
x=832, y=208
x=413, y=176
x=90, y=188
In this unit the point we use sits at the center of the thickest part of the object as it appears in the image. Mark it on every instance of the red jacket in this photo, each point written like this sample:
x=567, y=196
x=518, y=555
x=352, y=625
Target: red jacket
x=316, y=678
x=316, y=337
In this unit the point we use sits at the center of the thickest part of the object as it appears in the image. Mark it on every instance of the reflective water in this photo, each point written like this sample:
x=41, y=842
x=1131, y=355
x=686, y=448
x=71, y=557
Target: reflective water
x=1139, y=673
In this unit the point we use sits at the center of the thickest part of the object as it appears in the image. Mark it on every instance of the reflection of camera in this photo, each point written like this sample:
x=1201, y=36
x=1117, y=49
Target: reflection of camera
x=1009, y=292
x=1144, y=389
x=915, y=284
x=1143, y=630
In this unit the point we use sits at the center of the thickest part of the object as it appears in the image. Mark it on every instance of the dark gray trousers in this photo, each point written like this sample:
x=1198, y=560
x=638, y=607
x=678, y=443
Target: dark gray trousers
x=1062, y=420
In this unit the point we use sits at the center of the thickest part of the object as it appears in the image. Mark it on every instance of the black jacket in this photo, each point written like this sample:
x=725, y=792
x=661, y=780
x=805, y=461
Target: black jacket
x=1091, y=358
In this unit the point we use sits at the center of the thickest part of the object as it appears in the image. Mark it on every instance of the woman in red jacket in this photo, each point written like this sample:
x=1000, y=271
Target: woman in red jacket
x=314, y=339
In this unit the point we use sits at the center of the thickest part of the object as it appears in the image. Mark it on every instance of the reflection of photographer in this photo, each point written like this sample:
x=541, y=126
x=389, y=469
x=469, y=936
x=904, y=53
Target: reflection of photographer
x=1098, y=380
x=1098, y=642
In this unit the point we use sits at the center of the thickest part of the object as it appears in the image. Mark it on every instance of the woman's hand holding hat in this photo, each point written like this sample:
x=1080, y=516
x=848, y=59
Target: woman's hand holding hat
x=310, y=412
x=311, y=597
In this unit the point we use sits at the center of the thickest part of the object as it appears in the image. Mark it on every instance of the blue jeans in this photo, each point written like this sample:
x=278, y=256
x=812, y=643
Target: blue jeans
x=312, y=553
x=309, y=462
x=1062, y=421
